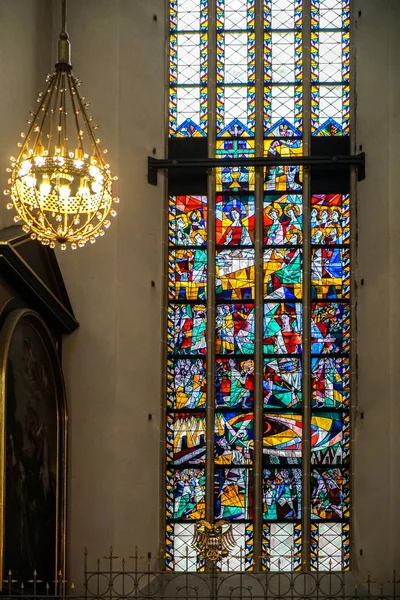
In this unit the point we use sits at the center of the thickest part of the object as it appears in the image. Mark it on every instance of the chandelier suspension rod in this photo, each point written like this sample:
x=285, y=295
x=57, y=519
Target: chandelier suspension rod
x=64, y=16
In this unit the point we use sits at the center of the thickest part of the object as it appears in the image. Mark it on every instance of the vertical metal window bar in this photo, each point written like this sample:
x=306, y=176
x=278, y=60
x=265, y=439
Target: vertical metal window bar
x=306, y=366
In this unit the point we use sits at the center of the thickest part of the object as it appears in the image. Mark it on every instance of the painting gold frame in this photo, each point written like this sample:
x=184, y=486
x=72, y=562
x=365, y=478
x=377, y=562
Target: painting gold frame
x=14, y=319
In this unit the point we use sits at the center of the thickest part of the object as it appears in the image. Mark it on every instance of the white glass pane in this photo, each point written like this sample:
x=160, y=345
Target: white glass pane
x=282, y=57
x=235, y=104
x=184, y=555
x=188, y=105
x=330, y=56
x=188, y=61
x=236, y=58
x=188, y=15
x=282, y=14
x=235, y=14
x=281, y=545
x=329, y=546
x=282, y=103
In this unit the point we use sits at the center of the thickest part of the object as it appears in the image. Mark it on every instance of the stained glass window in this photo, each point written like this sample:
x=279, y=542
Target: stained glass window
x=258, y=285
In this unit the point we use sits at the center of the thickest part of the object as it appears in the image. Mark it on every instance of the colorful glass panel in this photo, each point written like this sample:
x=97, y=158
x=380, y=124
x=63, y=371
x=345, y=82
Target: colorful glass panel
x=281, y=494
x=330, y=273
x=233, y=494
x=187, y=220
x=282, y=383
x=234, y=329
x=330, y=67
x=186, y=490
x=282, y=438
x=283, y=62
x=239, y=178
x=186, y=443
x=235, y=260
x=283, y=222
x=330, y=327
x=234, y=220
x=234, y=383
x=234, y=434
x=187, y=329
x=235, y=99
x=330, y=219
x=282, y=328
x=329, y=494
x=329, y=438
x=235, y=274
x=283, y=178
x=330, y=382
x=188, y=72
x=187, y=274
x=283, y=273
x=186, y=383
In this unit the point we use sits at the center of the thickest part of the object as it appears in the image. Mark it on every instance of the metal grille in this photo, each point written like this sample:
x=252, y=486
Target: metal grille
x=139, y=578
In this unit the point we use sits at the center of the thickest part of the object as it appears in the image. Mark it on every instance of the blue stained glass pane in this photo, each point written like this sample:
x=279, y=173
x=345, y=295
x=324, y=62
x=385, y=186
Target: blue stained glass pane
x=330, y=273
x=329, y=438
x=283, y=219
x=330, y=219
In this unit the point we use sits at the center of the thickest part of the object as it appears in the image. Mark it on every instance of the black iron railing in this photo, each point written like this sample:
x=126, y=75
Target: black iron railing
x=137, y=579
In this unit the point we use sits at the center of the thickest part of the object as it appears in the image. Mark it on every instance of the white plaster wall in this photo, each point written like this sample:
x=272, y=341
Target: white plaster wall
x=25, y=42
x=112, y=364
x=376, y=448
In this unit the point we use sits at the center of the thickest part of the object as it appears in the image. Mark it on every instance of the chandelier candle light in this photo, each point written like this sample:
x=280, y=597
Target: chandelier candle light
x=60, y=183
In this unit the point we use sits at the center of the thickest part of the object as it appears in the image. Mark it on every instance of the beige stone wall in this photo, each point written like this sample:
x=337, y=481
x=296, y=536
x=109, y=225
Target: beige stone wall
x=112, y=364
x=376, y=447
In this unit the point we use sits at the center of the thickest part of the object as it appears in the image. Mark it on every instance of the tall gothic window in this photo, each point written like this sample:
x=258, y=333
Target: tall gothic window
x=258, y=332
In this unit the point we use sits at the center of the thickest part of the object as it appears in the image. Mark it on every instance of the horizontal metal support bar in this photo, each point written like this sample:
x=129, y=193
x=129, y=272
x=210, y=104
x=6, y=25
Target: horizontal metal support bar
x=155, y=164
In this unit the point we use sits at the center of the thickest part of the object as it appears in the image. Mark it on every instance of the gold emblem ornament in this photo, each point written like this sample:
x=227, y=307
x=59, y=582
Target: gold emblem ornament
x=213, y=542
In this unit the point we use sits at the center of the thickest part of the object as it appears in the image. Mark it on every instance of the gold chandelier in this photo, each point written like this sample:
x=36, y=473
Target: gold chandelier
x=60, y=183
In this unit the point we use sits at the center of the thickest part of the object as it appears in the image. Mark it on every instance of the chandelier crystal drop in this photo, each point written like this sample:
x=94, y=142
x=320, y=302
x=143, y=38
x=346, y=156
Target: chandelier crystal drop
x=60, y=183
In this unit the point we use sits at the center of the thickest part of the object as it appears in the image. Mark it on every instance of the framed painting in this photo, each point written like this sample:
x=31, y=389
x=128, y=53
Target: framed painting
x=33, y=451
